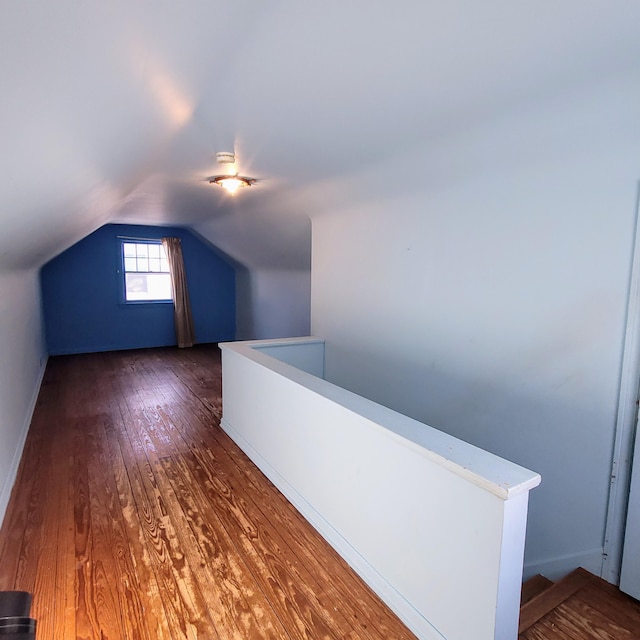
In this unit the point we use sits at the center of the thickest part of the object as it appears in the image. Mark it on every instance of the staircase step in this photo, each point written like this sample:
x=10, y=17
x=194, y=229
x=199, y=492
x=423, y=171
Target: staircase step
x=610, y=601
x=533, y=586
x=539, y=605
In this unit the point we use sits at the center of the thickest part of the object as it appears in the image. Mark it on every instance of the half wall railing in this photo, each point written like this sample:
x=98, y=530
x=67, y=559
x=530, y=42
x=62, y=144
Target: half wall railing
x=434, y=525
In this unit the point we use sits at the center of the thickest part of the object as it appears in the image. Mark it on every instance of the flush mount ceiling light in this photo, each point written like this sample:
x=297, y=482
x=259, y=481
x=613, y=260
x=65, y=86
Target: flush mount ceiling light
x=230, y=181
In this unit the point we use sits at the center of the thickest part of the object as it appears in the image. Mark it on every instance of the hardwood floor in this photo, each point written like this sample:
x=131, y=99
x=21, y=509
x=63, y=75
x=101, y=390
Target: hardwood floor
x=581, y=606
x=135, y=516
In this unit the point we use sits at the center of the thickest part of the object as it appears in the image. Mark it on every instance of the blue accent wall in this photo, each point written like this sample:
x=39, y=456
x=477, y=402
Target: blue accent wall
x=83, y=302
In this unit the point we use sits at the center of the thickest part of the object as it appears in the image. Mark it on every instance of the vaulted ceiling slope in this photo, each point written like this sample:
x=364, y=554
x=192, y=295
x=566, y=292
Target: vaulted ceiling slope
x=113, y=111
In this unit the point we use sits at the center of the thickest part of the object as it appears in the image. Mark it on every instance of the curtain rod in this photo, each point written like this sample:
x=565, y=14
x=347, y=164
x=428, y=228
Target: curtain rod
x=142, y=239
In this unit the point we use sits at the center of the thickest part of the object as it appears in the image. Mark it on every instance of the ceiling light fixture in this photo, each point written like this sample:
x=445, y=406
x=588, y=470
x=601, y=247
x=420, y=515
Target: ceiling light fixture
x=230, y=181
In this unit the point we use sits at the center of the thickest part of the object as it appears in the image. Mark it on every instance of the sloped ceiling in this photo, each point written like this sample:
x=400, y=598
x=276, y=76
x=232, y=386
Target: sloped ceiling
x=113, y=111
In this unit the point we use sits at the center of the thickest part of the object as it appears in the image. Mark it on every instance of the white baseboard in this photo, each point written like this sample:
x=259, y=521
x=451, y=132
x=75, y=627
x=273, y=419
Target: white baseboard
x=414, y=620
x=557, y=568
x=17, y=456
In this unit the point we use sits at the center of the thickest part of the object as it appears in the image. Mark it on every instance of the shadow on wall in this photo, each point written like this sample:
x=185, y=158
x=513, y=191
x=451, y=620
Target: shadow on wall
x=273, y=303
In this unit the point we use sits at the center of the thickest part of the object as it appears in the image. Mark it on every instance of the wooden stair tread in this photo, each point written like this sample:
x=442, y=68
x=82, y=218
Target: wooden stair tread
x=581, y=605
x=575, y=619
x=611, y=602
x=532, y=587
x=538, y=606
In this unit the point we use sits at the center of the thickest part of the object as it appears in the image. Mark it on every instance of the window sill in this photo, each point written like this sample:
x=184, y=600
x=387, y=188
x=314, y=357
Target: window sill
x=127, y=303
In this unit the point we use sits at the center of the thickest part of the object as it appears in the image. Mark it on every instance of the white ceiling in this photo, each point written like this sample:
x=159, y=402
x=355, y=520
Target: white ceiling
x=113, y=111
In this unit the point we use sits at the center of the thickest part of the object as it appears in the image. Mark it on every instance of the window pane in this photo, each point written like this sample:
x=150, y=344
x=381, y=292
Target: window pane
x=154, y=264
x=130, y=264
x=143, y=264
x=136, y=286
x=154, y=250
x=129, y=249
x=148, y=286
x=164, y=265
x=141, y=250
x=159, y=285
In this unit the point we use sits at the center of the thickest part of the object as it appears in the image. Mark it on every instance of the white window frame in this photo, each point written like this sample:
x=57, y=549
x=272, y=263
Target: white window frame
x=141, y=262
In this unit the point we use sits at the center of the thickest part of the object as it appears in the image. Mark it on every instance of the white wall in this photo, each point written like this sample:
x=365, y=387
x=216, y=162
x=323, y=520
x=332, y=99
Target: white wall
x=22, y=362
x=487, y=296
x=272, y=303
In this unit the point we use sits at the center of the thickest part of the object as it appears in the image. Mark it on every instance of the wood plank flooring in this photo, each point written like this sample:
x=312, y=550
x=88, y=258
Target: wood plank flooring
x=135, y=516
x=581, y=606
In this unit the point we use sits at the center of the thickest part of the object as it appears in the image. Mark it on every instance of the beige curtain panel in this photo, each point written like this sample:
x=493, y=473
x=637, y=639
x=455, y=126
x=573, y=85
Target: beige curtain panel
x=181, y=306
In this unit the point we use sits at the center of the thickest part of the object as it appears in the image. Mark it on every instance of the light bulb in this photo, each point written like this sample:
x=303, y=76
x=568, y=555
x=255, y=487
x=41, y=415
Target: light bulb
x=231, y=184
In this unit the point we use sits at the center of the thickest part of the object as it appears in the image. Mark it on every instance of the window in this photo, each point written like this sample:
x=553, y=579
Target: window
x=146, y=271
